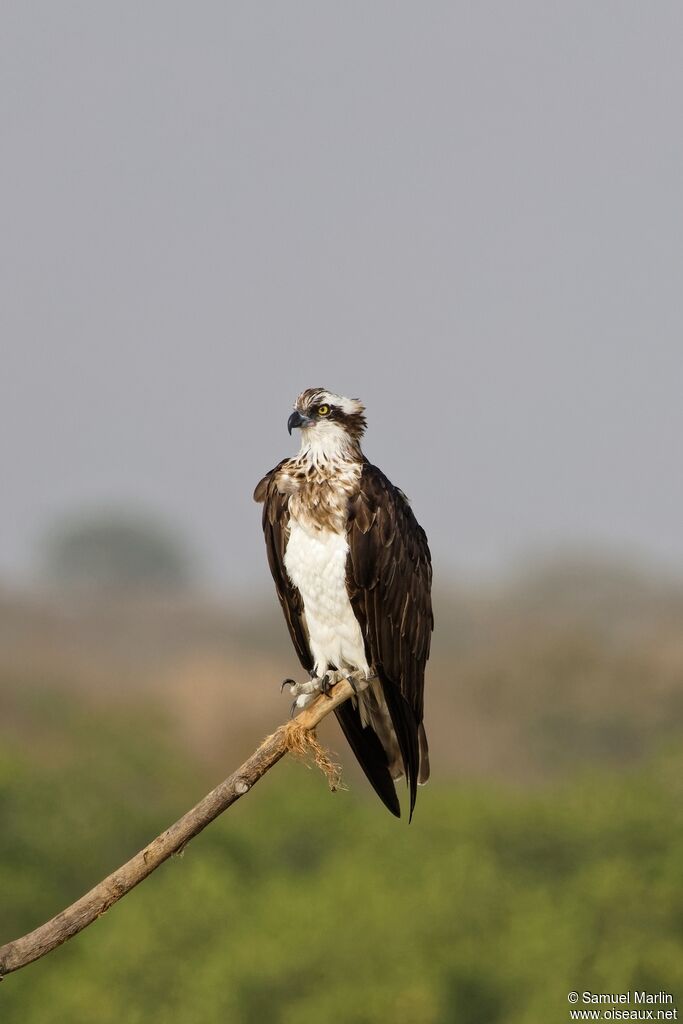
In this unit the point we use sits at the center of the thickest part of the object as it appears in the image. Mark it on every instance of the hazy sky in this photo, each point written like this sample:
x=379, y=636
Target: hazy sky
x=469, y=215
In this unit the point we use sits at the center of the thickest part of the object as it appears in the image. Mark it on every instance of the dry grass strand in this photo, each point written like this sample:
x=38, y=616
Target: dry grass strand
x=303, y=743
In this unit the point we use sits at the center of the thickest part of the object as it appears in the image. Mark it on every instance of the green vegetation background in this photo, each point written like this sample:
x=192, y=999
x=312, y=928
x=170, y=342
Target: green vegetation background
x=300, y=906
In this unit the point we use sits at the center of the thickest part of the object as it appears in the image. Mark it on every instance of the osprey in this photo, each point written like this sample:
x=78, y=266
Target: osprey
x=353, y=573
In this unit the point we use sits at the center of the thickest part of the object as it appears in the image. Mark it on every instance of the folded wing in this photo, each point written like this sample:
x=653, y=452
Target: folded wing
x=389, y=578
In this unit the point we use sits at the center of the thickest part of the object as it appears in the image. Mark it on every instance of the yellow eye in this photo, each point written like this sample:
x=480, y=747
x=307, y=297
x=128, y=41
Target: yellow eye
x=323, y=410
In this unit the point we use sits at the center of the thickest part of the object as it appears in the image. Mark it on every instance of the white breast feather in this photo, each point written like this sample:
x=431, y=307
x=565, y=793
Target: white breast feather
x=315, y=561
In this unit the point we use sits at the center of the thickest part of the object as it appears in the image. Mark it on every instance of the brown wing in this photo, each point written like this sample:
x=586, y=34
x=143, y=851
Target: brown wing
x=275, y=530
x=389, y=577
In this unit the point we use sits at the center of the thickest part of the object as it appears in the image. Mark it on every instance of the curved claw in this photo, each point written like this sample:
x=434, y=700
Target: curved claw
x=352, y=682
x=325, y=684
x=287, y=682
x=292, y=710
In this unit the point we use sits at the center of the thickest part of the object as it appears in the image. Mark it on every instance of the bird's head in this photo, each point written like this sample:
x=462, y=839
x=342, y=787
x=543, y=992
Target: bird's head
x=330, y=424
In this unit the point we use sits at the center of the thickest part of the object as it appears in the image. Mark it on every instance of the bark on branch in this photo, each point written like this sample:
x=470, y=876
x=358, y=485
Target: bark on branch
x=296, y=736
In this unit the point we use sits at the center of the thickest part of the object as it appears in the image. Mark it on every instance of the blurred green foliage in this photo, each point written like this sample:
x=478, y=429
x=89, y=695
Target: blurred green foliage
x=301, y=907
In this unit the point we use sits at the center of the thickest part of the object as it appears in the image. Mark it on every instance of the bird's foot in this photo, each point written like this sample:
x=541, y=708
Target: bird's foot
x=357, y=680
x=305, y=693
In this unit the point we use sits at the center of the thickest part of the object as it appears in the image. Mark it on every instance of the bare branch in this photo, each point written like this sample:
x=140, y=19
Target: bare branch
x=295, y=736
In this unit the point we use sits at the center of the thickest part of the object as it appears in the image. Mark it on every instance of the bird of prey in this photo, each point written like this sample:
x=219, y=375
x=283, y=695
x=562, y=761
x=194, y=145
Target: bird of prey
x=353, y=573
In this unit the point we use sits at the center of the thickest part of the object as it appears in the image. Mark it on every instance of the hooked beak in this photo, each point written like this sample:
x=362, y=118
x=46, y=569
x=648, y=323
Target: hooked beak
x=298, y=420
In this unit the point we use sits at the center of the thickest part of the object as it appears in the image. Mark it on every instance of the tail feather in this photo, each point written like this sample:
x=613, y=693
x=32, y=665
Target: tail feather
x=370, y=755
x=423, y=776
x=406, y=729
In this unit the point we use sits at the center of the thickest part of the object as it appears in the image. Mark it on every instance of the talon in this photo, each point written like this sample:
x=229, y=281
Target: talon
x=325, y=685
x=287, y=682
x=352, y=683
x=292, y=710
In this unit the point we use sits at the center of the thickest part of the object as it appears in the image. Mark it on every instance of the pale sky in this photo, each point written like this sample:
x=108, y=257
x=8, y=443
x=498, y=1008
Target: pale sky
x=468, y=215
